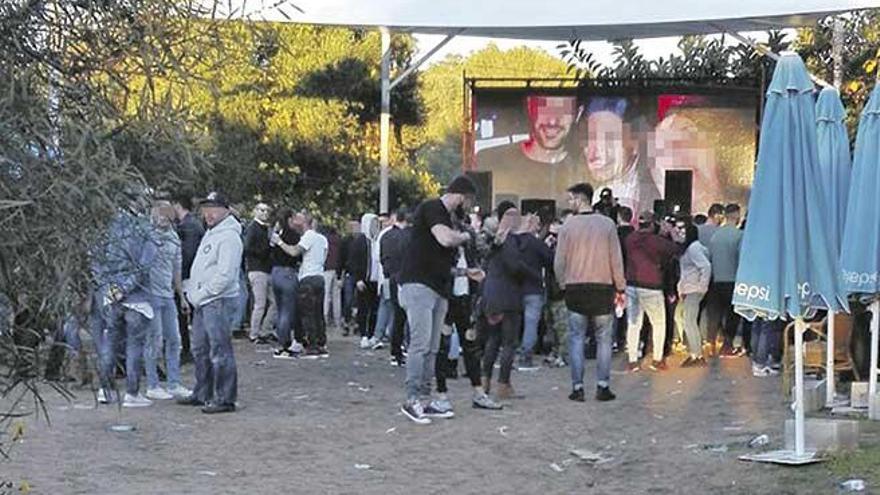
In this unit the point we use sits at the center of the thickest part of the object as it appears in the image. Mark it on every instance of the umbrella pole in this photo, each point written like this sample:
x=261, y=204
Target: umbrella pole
x=829, y=363
x=799, y=328
x=872, y=371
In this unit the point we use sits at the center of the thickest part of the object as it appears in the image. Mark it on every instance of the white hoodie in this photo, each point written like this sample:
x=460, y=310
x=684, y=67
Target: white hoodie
x=215, y=269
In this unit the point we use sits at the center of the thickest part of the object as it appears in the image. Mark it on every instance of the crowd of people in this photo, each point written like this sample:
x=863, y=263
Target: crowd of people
x=437, y=284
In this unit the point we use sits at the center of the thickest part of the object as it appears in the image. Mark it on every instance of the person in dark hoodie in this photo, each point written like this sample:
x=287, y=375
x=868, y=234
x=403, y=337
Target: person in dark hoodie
x=365, y=273
x=393, y=245
x=646, y=253
x=539, y=256
x=259, y=269
x=191, y=230
x=502, y=298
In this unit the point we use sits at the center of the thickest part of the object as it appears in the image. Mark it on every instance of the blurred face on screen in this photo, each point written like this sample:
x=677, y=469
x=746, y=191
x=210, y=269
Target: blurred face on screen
x=550, y=118
x=605, y=152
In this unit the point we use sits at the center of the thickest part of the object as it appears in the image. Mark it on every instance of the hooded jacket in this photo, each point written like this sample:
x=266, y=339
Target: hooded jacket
x=215, y=269
x=124, y=257
x=360, y=252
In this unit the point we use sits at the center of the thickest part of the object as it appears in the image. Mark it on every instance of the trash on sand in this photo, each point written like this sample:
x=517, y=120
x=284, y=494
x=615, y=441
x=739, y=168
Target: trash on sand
x=301, y=397
x=555, y=388
x=759, y=441
x=261, y=362
x=654, y=441
x=364, y=389
x=854, y=485
x=503, y=430
x=352, y=384
x=83, y=407
x=64, y=408
x=589, y=456
x=675, y=392
x=363, y=467
x=716, y=447
x=123, y=428
x=207, y=473
x=679, y=382
x=733, y=428
x=391, y=430
x=658, y=416
x=556, y=467
x=692, y=446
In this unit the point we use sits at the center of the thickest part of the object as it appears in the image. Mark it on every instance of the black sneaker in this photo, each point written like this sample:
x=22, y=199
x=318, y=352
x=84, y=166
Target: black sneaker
x=434, y=410
x=218, y=408
x=323, y=353
x=414, y=411
x=284, y=354
x=311, y=353
x=398, y=362
x=604, y=394
x=577, y=395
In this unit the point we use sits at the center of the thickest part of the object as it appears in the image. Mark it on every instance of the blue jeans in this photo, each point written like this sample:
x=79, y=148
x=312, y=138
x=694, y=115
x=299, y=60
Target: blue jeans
x=114, y=325
x=348, y=295
x=163, y=329
x=216, y=373
x=640, y=302
x=533, y=305
x=285, y=283
x=602, y=328
x=765, y=341
x=384, y=317
x=237, y=317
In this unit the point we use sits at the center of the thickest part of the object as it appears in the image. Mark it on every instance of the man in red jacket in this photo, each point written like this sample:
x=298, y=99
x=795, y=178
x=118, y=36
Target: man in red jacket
x=646, y=252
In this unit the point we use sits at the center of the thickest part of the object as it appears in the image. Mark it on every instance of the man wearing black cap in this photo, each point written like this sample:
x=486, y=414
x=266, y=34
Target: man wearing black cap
x=425, y=279
x=213, y=290
x=607, y=204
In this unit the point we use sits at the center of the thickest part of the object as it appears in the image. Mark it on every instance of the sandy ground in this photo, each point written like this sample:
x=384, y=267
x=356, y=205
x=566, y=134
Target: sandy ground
x=311, y=427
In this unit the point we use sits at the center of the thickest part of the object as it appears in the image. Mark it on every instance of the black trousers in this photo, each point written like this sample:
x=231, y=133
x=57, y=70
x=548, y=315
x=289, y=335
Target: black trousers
x=459, y=316
x=502, y=339
x=310, y=306
x=367, y=308
x=398, y=328
x=183, y=326
x=720, y=314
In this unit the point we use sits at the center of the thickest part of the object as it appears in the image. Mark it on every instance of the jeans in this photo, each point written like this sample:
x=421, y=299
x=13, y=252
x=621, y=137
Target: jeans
x=602, y=327
x=425, y=312
x=310, y=304
x=765, y=339
x=502, y=338
x=183, y=322
x=115, y=325
x=533, y=305
x=285, y=283
x=348, y=297
x=688, y=315
x=236, y=318
x=263, y=315
x=641, y=302
x=557, y=318
x=459, y=316
x=163, y=329
x=367, y=302
x=398, y=327
x=384, y=317
x=216, y=373
x=332, y=298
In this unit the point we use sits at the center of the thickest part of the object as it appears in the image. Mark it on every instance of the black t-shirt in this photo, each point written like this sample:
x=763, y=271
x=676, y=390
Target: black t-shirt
x=279, y=257
x=425, y=260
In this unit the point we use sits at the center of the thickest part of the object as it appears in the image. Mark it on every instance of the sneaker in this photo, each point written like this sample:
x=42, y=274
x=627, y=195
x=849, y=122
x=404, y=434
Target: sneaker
x=311, y=353
x=483, y=401
x=218, y=408
x=688, y=362
x=527, y=364
x=159, y=393
x=415, y=412
x=770, y=371
x=727, y=353
x=323, y=353
x=285, y=354
x=136, y=401
x=633, y=367
x=559, y=362
x=759, y=371
x=658, y=366
x=189, y=400
x=439, y=409
x=740, y=352
x=604, y=394
x=296, y=348
x=377, y=345
x=365, y=343
x=774, y=365
x=577, y=395
x=179, y=391
x=106, y=396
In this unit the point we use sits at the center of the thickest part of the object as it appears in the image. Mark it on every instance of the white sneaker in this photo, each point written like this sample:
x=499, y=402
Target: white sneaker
x=296, y=348
x=365, y=343
x=159, y=393
x=136, y=401
x=376, y=344
x=770, y=371
x=180, y=391
x=759, y=371
x=105, y=396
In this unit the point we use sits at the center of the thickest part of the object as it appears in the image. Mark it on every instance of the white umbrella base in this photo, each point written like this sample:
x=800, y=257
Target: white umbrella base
x=784, y=457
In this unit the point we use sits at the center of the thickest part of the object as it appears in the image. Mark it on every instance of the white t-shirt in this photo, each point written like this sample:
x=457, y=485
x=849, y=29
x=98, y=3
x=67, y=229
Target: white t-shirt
x=314, y=247
x=461, y=285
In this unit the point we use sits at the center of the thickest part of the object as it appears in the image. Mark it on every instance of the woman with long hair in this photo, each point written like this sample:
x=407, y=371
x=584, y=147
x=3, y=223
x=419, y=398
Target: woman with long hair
x=696, y=271
x=285, y=282
x=502, y=300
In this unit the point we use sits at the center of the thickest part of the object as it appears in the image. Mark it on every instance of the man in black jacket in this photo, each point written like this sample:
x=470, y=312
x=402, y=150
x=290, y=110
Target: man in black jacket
x=191, y=230
x=365, y=273
x=391, y=250
x=259, y=269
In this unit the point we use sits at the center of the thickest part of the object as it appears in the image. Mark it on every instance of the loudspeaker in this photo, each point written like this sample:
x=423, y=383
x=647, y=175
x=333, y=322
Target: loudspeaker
x=678, y=191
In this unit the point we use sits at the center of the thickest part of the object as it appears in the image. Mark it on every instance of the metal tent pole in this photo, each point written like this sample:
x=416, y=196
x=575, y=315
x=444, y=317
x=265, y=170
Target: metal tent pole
x=872, y=371
x=829, y=362
x=799, y=328
x=385, y=118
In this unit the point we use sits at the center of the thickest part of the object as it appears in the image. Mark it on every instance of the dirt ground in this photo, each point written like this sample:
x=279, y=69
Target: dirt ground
x=333, y=426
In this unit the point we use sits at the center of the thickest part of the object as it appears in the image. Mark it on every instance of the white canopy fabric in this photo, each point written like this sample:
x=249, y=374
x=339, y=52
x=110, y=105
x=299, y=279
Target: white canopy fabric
x=546, y=19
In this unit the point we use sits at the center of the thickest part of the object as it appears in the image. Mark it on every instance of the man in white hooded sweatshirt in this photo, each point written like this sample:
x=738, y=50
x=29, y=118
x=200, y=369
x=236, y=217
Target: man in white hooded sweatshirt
x=212, y=290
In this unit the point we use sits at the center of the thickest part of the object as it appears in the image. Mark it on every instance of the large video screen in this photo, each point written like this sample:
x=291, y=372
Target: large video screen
x=536, y=145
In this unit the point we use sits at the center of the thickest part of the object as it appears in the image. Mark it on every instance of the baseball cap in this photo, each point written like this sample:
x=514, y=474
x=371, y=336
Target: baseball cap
x=215, y=198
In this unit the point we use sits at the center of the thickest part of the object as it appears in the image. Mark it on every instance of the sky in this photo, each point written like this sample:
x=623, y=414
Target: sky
x=463, y=45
